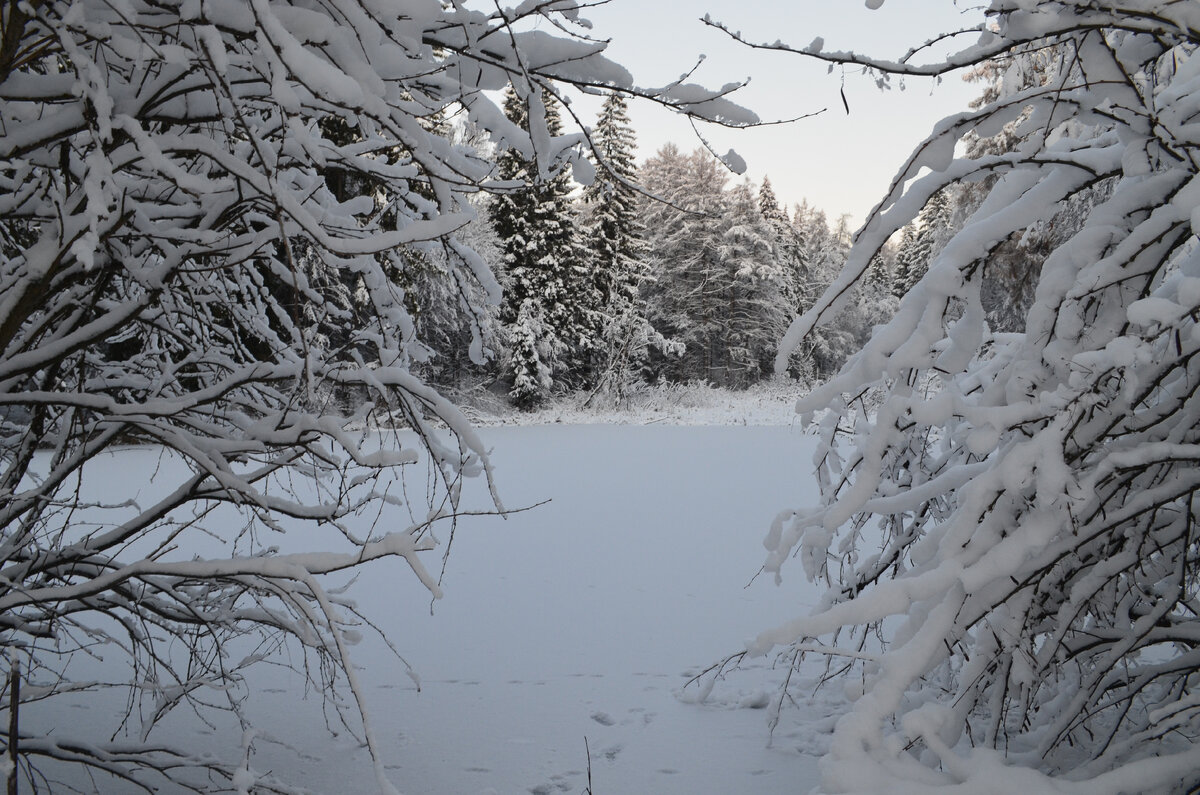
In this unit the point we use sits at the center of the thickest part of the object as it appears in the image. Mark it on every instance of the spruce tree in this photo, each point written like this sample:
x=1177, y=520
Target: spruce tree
x=917, y=250
x=789, y=244
x=617, y=250
x=824, y=251
x=909, y=261
x=542, y=263
x=685, y=300
x=758, y=296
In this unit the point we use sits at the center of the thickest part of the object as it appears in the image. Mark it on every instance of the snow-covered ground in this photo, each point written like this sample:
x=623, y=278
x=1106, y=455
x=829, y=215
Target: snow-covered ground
x=585, y=617
x=582, y=619
x=768, y=403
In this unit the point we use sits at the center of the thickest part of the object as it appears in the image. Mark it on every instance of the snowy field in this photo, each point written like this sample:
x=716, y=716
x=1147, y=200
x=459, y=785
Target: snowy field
x=586, y=616
x=582, y=618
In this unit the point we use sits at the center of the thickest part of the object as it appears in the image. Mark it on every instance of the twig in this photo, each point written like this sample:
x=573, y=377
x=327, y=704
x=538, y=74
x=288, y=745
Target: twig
x=588, y=790
x=14, y=702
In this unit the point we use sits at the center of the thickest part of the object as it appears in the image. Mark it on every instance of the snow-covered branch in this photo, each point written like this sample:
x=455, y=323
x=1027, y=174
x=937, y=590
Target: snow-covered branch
x=210, y=212
x=1015, y=514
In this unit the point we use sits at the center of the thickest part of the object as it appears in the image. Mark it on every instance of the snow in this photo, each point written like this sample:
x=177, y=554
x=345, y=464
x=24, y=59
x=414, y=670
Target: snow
x=570, y=59
x=765, y=404
x=735, y=162
x=583, y=618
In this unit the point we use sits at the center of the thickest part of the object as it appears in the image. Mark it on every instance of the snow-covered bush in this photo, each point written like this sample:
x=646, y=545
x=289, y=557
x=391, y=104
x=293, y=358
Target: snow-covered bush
x=209, y=212
x=1016, y=518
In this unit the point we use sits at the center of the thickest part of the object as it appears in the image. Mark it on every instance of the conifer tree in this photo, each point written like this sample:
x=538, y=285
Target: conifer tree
x=718, y=290
x=683, y=299
x=616, y=234
x=908, y=261
x=542, y=263
x=759, y=293
x=617, y=250
x=930, y=232
x=879, y=275
x=789, y=246
x=824, y=255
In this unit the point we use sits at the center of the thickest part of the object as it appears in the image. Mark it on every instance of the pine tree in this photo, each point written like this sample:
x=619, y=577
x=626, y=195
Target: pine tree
x=684, y=298
x=824, y=253
x=759, y=294
x=930, y=232
x=542, y=263
x=879, y=274
x=789, y=246
x=617, y=250
x=909, y=261
x=531, y=348
x=615, y=232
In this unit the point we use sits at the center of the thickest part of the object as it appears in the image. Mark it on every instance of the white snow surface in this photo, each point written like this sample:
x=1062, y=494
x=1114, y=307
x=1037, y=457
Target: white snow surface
x=768, y=403
x=583, y=618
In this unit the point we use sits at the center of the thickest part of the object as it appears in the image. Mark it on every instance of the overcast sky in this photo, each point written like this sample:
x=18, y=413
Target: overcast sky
x=838, y=162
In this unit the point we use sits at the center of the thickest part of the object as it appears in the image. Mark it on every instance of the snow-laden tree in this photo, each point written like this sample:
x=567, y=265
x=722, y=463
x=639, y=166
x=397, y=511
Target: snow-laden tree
x=544, y=262
x=1011, y=275
x=824, y=251
x=615, y=237
x=790, y=252
x=911, y=261
x=1016, y=519
x=614, y=230
x=789, y=246
x=921, y=241
x=687, y=197
x=718, y=288
x=173, y=259
x=759, y=299
x=449, y=311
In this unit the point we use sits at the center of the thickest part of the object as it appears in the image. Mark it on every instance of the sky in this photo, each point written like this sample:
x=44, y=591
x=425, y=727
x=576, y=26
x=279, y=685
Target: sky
x=838, y=162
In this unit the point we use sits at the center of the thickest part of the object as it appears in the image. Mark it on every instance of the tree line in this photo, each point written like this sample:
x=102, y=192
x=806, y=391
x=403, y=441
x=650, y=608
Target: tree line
x=674, y=271
x=678, y=271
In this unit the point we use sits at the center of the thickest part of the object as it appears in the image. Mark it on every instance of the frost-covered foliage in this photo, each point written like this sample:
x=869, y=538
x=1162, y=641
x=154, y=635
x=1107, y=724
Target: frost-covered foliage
x=788, y=243
x=615, y=236
x=549, y=307
x=823, y=251
x=449, y=312
x=614, y=230
x=1014, y=513
x=1007, y=290
x=718, y=287
x=208, y=209
x=921, y=241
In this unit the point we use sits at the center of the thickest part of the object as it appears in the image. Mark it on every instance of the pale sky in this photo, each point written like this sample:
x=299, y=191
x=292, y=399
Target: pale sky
x=840, y=163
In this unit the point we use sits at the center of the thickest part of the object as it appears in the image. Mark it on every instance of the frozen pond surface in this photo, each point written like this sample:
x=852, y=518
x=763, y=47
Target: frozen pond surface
x=582, y=618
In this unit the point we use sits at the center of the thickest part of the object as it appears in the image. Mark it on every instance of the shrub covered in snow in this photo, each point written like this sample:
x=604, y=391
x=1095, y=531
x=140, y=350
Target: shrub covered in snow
x=1016, y=518
x=209, y=214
